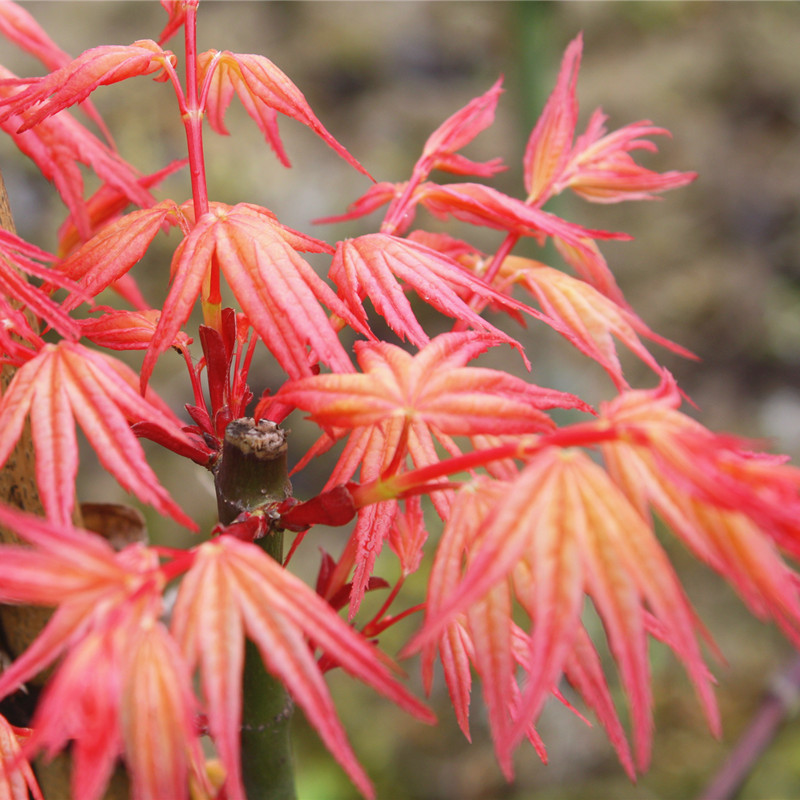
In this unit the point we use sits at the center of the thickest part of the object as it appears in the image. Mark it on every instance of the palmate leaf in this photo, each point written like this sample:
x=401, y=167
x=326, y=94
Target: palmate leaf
x=78, y=572
x=585, y=317
x=20, y=27
x=116, y=248
x=597, y=167
x=433, y=386
x=733, y=508
x=75, y=81
x=563, y=529
x=411, y=402
x=276, y=288
x=65, y=383
x=264, y=91
x=233, y=589
x=372, y=266
x=138, y=695
x=58, y=145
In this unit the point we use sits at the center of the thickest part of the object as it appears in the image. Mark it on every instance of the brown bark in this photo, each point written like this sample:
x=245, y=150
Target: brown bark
x=20, y=624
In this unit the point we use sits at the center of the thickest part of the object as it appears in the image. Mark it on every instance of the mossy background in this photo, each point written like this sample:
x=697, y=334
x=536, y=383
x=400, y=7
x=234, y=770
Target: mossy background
x=716, y=267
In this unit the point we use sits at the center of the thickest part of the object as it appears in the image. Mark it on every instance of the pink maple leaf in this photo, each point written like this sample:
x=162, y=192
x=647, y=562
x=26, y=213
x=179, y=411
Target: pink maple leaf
x=563, y=529
x=598, y=167
x=277, y=289
x=372, y=266
x=734, y=509
x=265, y=91
x=57, y=145
x=106, y=626
x=74, y=82
x=402, y=403
x=585, y=317
x=108, y=255
x=65, y=383
x=16, y=775
x=235, y=589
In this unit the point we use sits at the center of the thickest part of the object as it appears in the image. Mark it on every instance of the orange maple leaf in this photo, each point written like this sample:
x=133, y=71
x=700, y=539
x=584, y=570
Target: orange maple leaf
x=733, y=508
x=585, y=317
x=433, y=386
x=401, y=403
x=598, y=167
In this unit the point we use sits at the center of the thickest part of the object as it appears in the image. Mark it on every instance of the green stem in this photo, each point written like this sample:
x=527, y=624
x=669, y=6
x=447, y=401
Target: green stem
x=253, y=472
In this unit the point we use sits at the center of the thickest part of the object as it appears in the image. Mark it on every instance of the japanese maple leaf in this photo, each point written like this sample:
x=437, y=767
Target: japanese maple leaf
x=598, y=167
x=564, y=529
x=16, y=775
x=733, y=508
x=276, y=288
x=65, y=383
x=139, y=699
x=58, y=145
x=601, y=169
x=235, y=589
x=440, y=150
x=373, y=266
x=264, y=91
x=20, y=27
x=74, y=82
x=127, y=330
x=585, y=317
x=433, y=386
x=402, y=403
x=486, y=639
x=108, y=255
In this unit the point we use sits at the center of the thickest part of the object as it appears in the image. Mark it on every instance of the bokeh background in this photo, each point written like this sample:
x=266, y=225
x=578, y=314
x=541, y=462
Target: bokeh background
x=715, y=266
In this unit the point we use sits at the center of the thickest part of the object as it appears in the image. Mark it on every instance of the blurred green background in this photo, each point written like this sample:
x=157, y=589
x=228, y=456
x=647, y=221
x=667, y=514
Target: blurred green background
x=716, y=267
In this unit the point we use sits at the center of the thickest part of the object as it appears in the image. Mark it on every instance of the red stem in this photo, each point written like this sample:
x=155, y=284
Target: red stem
x=193, y=116
x=193, y=124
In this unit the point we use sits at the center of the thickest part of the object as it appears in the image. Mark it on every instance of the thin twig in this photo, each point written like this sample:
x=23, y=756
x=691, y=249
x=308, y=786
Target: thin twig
x=780, y=703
